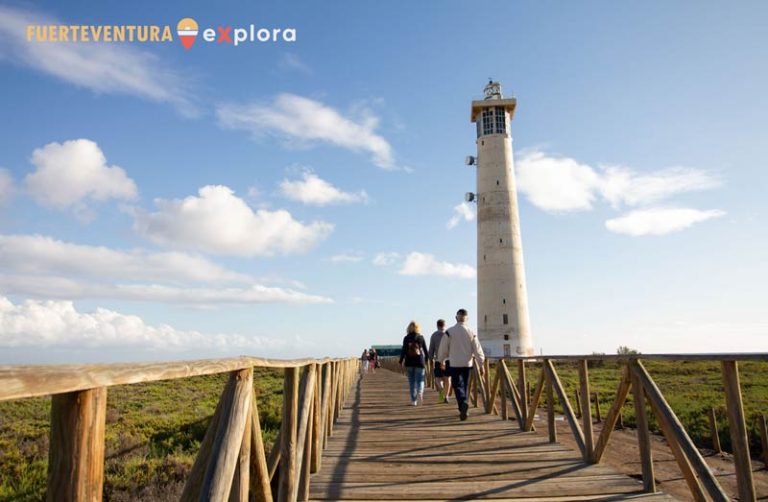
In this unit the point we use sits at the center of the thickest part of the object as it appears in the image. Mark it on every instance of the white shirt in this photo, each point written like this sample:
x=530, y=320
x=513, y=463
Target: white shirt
x=459, y=347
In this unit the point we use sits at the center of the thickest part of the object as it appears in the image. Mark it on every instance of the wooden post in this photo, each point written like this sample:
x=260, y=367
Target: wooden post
x=504, y=410
x=577, y=395
x=241, y=484
x=586, y=417
x=614, y=414
x=490, y=405
x=738, y=427
x=487, y=384
x=578, y=434
x=694, y=485
x=510, y=387
x=550, y=410
x=287, y=486
x=763, y=437
x=260, y=478
x=597, y=407
x=643, y=436
x=225, y=453
x=306, y=466
x=713, y=430
x=524, y=390
x=316, y=412
x=76, y=453
x=306, y=394
x=325, y=404
x=474, y=384
x=675, y=432
x=535, y=401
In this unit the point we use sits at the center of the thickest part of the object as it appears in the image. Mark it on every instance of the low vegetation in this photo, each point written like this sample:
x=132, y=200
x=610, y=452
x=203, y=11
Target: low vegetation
x=153, y=433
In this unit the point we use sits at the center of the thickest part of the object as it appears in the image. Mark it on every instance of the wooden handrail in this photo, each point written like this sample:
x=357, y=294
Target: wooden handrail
x=18, y=382
x=231, y=463
x=636, y=379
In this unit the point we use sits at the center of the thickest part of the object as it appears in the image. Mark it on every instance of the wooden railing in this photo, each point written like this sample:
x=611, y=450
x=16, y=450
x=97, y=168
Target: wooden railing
x=231, y=463
x=635, y=378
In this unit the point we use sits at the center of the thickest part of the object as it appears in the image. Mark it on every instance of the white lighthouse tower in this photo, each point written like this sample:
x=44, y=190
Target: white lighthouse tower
x=502, y=299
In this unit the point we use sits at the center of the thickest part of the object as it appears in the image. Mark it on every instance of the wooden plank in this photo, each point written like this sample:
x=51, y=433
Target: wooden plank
x=551, y=426
x=678, y=434
x=416, y=490
x=515, y=401
x=76, y=453
x=738, y=427
x=194, y=482
x=643, y=436
x=241, y=484
x=523, y=390
x=316, y=412
x=719, y=356
x=287, y=484
x=303, y=437
x=219, y=474
x=567, y=410
x=586, y=415
x=30, y=381
x=614, y=414
x=260, y=476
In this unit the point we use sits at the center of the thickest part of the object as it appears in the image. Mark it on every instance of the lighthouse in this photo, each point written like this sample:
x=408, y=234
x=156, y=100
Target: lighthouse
x=502, y=299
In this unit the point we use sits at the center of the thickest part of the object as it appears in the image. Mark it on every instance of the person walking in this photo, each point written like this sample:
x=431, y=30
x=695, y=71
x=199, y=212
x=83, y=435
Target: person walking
x=413, y=356
x=373, y=357
x=442, y=376
x=364, y=362
x=460, y=347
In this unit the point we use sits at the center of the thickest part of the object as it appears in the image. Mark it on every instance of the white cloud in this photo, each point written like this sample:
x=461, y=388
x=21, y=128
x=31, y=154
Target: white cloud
x=561, y=184
x=65, y=288
x=385, y=259
x=346, y=258
x=6, y=186
x=556, y=183
x=100, y=67
x=425, y=264
x=313, y=190
x=36, y=254
x=659, y=221
x=464, y=211
x=302, y=119
x=217, y=221
x=44, y=324
x=71, y=174
x=293, y=62
x=621, y=185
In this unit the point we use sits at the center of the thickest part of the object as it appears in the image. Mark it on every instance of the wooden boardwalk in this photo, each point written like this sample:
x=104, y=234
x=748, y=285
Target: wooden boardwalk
x=383, y=448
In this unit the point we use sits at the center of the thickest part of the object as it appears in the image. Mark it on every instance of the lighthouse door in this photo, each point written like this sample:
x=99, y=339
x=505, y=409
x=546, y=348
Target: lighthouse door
x=507, y=350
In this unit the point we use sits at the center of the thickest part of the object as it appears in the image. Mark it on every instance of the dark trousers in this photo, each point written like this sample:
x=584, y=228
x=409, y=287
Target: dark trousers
x=460, y=383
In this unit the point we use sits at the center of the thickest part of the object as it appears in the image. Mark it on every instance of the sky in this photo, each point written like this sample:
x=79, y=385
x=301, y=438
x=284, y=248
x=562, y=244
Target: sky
x=303, y=196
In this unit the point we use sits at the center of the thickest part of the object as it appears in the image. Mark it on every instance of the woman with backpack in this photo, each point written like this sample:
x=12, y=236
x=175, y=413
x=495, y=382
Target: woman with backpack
x=413, y=357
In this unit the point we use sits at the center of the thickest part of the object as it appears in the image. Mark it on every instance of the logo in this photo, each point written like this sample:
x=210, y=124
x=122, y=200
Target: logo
x=187, y=31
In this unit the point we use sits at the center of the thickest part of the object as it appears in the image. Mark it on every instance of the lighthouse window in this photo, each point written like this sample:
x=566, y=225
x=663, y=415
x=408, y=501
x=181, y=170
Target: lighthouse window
x=485, y=318
x=506, y=337
x=504, y=301
x=501, y=120
x=505, y=319
x=488, y=121
x=500, y=241
x=497, y=182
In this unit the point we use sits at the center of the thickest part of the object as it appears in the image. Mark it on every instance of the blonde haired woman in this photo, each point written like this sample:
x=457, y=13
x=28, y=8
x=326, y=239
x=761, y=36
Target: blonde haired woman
x=413, y=357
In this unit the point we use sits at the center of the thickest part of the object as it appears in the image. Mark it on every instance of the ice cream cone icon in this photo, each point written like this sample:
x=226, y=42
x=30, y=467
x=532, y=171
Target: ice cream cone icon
x=187, y=31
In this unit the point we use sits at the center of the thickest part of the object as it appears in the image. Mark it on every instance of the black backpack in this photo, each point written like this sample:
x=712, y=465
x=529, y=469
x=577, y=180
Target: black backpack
x=414, y=348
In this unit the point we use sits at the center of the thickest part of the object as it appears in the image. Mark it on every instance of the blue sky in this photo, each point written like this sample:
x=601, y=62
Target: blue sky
x=305, y=198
